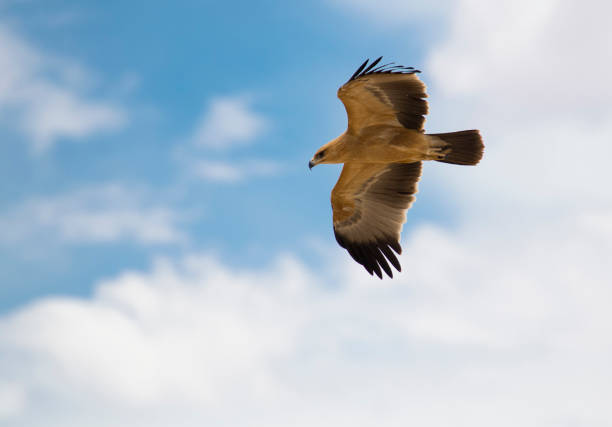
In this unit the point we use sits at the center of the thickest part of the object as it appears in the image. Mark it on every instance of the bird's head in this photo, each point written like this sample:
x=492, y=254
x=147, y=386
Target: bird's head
x=329, y=153
x=318, y=158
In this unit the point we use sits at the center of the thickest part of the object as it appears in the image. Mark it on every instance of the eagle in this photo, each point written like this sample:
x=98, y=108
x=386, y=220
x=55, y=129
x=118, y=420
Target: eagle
x=382, y=150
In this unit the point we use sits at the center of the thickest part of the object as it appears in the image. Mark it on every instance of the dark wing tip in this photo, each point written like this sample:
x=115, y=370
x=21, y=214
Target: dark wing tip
x=381, y=69
x=373, y=256
x=361, y=67
x=372, y=65
x=394, y=244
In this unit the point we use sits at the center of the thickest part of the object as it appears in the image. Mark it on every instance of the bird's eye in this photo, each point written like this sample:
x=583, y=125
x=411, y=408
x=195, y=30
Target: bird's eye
x=320, y=154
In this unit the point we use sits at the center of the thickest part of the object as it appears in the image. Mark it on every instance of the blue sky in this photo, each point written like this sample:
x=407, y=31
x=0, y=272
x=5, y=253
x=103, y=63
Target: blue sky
x=166, y=256
x=160, y=69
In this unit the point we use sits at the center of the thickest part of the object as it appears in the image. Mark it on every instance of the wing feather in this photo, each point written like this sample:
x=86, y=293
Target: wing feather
x=369, y=204
x=384, y=95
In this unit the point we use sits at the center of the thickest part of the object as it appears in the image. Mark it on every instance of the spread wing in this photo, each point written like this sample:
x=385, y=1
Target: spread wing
x=369, y=204
x=384, y=95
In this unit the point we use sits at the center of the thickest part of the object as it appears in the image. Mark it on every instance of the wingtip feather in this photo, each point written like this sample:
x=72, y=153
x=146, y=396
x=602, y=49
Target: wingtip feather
x=382, y=69
x=361, y=67
x=372, y=65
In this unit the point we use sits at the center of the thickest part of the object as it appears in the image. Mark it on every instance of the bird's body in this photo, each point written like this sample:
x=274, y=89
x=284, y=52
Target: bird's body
x=382, y=150
x=382, y=144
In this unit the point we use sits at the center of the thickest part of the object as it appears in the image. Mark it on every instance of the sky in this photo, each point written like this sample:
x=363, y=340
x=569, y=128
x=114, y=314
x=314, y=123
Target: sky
x=167, y=258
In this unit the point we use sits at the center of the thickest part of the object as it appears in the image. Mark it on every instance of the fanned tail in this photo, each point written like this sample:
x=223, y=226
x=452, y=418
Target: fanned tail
x=460, y=148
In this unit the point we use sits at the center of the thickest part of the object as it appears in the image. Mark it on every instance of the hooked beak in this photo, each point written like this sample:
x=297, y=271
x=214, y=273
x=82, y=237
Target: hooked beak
x=311, y=164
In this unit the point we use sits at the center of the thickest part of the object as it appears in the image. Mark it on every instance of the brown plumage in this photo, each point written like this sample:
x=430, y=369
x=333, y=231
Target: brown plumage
x=382, y=150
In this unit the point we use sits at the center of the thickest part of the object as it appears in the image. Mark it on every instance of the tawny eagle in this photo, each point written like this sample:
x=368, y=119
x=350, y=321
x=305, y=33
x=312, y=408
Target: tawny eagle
x=382, y=150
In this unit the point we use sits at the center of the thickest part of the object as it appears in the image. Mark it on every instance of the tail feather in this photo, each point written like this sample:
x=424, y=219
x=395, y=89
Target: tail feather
x=460, y=148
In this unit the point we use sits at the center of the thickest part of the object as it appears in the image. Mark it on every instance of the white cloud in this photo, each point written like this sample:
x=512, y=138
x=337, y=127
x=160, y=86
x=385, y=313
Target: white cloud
x=103, y=213
x=472, y=330
x=12, y=399
x=44, y=96
x=549, y=64
x=234, y=171
x=229, y=122
x=537, y=85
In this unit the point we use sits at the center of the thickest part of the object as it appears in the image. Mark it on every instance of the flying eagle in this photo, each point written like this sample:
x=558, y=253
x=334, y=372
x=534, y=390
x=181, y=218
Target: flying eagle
x=382, y=150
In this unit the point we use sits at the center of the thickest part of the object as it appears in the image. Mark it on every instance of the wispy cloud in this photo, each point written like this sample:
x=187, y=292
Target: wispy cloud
x=43, y=96
x=105, y=213
x=229, y=122
x=394, y=12
x=235, y=171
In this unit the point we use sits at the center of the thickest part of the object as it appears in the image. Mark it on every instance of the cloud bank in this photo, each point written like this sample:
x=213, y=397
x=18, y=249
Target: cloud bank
x=474, y=329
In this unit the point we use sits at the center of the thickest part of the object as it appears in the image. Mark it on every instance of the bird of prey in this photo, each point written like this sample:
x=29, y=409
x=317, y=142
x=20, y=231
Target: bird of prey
x=382, y=150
